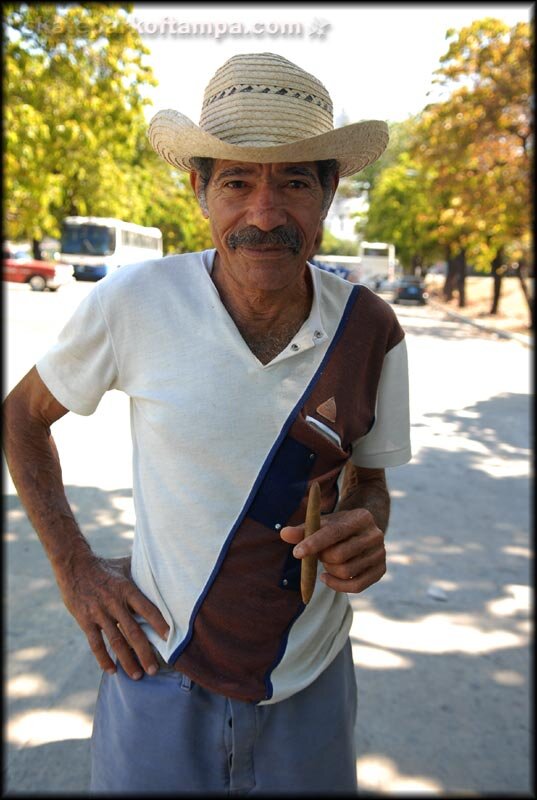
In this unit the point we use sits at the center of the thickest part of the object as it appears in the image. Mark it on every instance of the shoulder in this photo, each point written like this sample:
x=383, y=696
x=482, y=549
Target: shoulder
x=376, y=305
x=379, y=316
x=145, y=271
x=369, y=317
x=337, y=289
x=153, y=278
x=332, y=287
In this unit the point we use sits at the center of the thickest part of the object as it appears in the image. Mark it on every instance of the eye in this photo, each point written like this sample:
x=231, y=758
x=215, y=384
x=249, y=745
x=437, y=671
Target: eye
x=237, y=184
x=298, y=184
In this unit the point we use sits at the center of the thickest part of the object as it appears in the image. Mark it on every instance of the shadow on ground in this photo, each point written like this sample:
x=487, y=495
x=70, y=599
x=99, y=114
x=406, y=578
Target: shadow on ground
x=443, y=684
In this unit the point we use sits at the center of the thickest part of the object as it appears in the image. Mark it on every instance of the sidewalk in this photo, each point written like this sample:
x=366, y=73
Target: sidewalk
x=524, y=339
x=513, y=318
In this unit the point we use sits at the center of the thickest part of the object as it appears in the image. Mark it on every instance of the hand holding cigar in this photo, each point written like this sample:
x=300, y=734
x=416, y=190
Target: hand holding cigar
x=308, y=570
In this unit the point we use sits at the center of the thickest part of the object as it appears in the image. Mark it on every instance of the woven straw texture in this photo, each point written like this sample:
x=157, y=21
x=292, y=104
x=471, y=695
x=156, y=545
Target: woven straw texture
x=263, y=108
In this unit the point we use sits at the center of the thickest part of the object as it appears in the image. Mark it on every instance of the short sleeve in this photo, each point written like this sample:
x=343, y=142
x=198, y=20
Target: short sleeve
x=82, y=365
x=387, y=444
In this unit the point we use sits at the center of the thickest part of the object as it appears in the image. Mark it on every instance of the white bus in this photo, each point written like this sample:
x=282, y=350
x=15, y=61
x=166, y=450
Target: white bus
x=374, y=263
x=377, y=262
x=96, y=246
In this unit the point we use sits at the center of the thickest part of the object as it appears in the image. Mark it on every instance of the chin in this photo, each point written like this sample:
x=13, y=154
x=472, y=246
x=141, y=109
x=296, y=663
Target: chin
x=276, y=272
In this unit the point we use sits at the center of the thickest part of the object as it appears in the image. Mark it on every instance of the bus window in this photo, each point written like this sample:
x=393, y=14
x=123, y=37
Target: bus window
x=90, y=240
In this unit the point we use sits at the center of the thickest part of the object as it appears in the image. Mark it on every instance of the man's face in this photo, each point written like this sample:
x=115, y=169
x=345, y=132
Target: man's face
x=264, y=219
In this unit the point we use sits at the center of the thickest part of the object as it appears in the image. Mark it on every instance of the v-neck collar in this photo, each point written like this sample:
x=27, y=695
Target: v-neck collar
x=310, y=334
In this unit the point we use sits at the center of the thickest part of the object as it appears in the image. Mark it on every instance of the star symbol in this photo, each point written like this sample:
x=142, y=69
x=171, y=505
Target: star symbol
x=319, y=27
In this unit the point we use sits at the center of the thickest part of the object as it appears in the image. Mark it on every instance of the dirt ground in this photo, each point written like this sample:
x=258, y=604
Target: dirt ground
x=513, y=313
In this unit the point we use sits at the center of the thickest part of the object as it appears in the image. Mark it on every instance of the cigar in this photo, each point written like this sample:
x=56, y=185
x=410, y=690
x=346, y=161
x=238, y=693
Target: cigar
x=308, y=569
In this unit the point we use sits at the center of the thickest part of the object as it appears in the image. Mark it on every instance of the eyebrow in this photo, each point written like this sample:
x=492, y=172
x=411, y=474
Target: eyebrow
x=299, y=170
x=232, y=172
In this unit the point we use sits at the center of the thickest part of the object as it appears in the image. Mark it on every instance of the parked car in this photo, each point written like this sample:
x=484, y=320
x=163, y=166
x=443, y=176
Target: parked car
x=411, y=288
x=18, y=266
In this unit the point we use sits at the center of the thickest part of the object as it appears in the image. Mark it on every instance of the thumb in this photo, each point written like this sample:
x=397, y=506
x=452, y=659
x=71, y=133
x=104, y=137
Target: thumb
x=292, y=533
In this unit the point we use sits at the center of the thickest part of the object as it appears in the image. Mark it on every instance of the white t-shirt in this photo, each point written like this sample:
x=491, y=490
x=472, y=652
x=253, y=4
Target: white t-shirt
x=216, y=437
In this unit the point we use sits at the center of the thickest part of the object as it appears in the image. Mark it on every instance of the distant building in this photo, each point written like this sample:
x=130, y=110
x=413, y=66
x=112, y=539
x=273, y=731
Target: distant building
x=340, y=220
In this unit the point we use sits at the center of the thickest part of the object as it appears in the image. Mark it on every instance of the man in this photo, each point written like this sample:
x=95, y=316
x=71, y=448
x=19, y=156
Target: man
x=250, y=375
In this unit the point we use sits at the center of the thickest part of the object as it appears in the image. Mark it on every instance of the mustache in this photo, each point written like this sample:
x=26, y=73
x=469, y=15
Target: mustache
x=283, y=235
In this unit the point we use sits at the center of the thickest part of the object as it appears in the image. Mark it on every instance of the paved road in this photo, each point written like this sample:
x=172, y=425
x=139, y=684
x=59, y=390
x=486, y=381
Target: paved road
x=441, y=644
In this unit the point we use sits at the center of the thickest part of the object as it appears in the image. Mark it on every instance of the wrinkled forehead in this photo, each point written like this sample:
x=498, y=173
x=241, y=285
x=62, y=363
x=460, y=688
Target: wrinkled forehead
x=223, y=168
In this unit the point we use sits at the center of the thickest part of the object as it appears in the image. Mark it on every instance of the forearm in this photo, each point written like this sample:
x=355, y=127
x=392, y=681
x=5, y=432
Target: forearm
x=366, y=489
x=35, y=468
x=98, y=592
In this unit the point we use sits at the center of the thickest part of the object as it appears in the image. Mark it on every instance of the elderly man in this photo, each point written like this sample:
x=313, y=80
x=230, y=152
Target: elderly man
x=251, y=375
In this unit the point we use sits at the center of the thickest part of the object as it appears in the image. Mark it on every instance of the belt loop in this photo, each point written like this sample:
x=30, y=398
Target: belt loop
x=186, y=683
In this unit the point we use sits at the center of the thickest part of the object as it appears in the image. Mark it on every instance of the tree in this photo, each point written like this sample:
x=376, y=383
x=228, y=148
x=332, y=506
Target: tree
x=400, y=213
x=170, y=205
x=478, y=141
x=75, y=127
x=74, y=113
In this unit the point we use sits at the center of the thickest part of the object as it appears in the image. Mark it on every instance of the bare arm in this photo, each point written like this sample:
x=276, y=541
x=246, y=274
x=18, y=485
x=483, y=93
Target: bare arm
x=350, y=542
x=366, y=488
x=98, y=592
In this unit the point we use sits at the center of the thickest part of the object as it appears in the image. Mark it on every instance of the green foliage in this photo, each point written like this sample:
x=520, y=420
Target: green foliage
x=399, y=212
x=331, y=245
x=172, y=207
x=458, y=176
x=477, y=140
x=75, y=127
x=401, y=136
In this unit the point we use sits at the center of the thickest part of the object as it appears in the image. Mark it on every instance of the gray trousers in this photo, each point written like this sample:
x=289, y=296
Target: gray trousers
x=167, y=734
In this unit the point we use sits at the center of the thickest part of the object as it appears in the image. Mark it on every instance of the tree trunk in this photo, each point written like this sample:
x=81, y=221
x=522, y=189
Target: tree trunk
x=520, y=270
x=460, y=261
x=497, y=274
x=451, y=276
x=36, y=249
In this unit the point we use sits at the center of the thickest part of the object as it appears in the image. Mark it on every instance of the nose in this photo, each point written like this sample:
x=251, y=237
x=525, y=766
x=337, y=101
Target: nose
x=265, y=208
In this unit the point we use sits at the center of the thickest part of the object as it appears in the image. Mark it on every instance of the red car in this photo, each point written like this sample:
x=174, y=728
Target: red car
x=19, y=267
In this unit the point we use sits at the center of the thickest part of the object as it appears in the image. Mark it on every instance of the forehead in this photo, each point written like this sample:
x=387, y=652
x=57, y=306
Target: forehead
x=224, y=168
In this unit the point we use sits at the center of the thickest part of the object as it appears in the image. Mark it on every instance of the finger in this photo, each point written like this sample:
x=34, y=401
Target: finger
x=292, y=533
x=295, y=533
x=357, y=584
x=140, y=604
x=123, y=651
x=138, y=641
x=355, y=567
x=361, y=546
x=98, y=648
x=333, y=531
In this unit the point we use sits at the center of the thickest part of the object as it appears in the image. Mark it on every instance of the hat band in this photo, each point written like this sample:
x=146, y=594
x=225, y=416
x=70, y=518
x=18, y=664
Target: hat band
x=307, y=97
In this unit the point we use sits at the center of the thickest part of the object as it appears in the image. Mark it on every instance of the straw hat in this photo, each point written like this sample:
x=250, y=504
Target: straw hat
x=261, y=107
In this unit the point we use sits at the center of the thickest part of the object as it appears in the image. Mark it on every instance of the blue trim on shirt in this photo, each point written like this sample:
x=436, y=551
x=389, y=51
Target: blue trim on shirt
x=264, y=469
x=269, y=689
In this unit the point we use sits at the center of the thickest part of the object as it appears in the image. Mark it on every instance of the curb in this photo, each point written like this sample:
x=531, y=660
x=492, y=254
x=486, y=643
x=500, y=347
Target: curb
x=527, y=341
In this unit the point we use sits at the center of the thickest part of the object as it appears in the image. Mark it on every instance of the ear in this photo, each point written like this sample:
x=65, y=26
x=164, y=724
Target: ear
x=195, y=183
x=335, y=184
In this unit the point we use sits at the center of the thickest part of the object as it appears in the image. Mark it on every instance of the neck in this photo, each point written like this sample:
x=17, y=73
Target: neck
x=267, y=320
x=263, y=310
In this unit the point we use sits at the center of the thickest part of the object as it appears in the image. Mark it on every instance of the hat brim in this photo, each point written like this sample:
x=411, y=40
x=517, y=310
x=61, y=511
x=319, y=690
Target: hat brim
x=177, y=139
